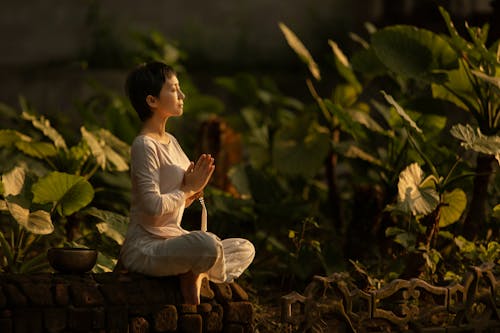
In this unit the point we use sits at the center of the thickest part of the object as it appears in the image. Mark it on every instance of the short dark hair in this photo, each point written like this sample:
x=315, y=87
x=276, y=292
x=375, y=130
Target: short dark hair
x=146, y=79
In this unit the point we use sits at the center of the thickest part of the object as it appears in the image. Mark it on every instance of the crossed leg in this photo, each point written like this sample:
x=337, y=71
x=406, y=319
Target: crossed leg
x=191, y=286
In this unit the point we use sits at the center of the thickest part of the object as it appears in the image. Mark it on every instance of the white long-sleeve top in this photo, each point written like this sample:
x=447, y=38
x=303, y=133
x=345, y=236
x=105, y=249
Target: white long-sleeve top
x=157, y=171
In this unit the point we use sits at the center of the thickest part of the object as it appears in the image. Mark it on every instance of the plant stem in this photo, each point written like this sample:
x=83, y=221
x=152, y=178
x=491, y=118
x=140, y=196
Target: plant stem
x=476, y=216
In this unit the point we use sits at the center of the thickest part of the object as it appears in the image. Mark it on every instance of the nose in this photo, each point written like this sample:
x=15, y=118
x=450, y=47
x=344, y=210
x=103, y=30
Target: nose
x=181, y=95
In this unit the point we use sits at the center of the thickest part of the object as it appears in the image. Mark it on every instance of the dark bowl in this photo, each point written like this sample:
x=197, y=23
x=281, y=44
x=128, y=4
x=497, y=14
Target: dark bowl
x=71, y=259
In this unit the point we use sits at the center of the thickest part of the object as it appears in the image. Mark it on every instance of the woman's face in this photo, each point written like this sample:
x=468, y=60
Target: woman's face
x=170, y=101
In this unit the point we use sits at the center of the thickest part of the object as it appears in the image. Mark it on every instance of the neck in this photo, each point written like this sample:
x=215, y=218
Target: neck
x=154, y=126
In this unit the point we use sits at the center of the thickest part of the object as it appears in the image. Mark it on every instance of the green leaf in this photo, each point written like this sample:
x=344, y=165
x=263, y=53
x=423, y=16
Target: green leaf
x=496, y=211
x=7, y=111
x=350, y=150
x=457, y=89
x=364, y=118
x=412, y=195
x=343, y=116
x=113, y=224
x=413, y=52
x=475, y=140
x=367, y=63
x=300, y=50
x=6, y=250
x=432, y=258
x=44, y=125
x=406, y=239
x=344, y=67
x=35, y=264
x=95, y=147
x=38, y=222
x=401, y=111
x=464, y=245
x=70, y=193
x=37, y=149
x=115, y=159
x=8, y=137
x=13, y=181
x=104, y=264
x=494, y=81
x=293, y=142
x=453, y=205
x=117, y=152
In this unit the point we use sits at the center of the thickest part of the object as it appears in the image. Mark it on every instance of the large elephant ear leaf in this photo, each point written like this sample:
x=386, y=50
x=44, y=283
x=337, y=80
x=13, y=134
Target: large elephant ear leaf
x=415, y=194
x=38, y=222
x=69, y=193
x=111, y=224
x=413, y=52
x=454, y=203
x=13, y=181
x=475, y=140
x=37, y=149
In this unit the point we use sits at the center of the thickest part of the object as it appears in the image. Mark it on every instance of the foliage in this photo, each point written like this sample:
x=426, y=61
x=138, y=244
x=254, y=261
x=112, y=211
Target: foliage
x=394, y=142
x=45, y=192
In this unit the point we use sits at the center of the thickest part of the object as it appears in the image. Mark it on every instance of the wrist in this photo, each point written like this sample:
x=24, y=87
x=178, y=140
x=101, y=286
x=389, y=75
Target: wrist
x=187, y=192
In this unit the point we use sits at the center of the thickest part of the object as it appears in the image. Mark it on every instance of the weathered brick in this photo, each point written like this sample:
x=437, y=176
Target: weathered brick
x=141, y=310
x=138, y=325
x=105, y=278
x=6, y=325
x=45, y=278
x=27, y=320
x=152, y=291
x=249, y=328
x=38, y=293
x=233, y=328
x=61, y=293
x=85, y=295
x=214, y=321
x=190, y=323
x=54, y=319
x=114, y=294
x=165, y=319
x=206, y=293
x=99, y=318
x=204, y=308
x=186, y=308
x=6, y=321
x=134, y=294
x=80, y=319
x=14, y=296
x=238, y=312
x=239, y=294
x=171, y=289
x=116, y=318
x=223, y=292
x=3, y=299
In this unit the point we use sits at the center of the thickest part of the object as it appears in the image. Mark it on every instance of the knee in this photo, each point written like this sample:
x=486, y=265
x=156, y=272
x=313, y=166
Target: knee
x=249, y=249
x=209, y=246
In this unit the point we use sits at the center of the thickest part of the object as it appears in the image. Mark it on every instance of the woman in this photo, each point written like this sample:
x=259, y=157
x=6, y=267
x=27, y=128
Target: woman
x=164, y=182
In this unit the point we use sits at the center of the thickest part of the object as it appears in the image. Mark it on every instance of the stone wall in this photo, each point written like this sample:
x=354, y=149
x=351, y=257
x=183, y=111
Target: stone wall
x=113, y=302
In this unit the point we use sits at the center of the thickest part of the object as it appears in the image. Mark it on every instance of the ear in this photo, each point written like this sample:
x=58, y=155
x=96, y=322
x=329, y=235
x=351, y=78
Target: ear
x=151, y=100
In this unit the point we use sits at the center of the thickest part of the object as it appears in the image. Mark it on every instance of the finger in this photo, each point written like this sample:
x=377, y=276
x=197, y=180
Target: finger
x=200, y=161
x=190, y=167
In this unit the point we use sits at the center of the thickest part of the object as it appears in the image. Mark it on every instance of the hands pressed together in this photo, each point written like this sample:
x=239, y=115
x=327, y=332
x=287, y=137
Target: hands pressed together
x=197, y=176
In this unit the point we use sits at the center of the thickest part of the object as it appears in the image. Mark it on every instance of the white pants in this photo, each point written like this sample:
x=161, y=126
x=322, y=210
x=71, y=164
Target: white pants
x=197, y=251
